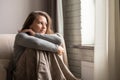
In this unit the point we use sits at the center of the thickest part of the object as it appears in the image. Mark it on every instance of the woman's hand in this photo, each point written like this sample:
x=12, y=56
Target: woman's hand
x=60, y=50
x=30, y=31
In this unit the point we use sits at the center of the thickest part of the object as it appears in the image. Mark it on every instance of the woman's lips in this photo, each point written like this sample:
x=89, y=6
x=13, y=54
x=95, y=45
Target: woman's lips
x=42, y=31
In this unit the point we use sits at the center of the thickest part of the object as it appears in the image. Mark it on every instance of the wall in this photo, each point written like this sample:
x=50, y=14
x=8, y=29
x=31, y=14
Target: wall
x=14, y=12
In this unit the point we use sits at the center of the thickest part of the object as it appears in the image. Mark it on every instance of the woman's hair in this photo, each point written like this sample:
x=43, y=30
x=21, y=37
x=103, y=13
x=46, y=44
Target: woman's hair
x=33, y=15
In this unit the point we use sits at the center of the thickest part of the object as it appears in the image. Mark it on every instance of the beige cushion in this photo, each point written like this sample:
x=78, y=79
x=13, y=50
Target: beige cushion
x=6, y=51
x=2, y=73
x=6, y=45
x=3, y=66
x=4, y=63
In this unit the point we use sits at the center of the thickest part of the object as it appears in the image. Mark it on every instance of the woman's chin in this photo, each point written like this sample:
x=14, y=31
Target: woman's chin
x=42, y=32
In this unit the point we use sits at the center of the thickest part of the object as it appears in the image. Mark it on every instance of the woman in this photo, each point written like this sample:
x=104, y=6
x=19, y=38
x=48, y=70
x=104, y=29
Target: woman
x=37, y=51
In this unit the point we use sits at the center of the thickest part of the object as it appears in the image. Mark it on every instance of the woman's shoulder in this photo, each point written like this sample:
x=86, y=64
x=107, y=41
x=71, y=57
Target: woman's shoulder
x=20, y=34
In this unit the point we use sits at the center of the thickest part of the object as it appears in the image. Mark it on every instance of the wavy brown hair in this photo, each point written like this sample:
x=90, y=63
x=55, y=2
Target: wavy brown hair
x=33, y=15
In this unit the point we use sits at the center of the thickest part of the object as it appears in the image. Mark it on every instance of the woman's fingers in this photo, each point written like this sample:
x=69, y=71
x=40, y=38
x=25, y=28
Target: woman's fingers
x=28, y=31
x=60, y=50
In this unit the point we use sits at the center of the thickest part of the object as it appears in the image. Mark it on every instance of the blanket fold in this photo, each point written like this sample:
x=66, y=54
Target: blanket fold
x=41, y=65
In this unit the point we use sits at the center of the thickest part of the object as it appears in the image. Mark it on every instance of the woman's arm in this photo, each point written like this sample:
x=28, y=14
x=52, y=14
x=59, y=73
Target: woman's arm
x=54, y=38
x=25, y=40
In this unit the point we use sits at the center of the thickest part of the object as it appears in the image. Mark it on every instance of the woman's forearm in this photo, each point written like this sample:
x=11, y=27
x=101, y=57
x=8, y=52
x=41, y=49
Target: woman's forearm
x=28, y=41
x=54, y=38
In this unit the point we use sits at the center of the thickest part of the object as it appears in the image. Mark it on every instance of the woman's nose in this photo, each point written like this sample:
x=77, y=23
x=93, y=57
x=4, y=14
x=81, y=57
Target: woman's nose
x=44, y=26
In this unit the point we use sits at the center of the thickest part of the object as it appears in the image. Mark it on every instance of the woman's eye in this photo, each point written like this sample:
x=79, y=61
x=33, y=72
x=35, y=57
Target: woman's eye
x=39, y=22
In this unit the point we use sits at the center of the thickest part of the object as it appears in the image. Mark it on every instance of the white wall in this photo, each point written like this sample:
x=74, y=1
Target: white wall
x=14, y=12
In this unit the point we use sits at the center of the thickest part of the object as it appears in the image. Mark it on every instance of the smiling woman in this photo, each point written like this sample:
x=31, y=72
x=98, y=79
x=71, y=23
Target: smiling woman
x=38, y=52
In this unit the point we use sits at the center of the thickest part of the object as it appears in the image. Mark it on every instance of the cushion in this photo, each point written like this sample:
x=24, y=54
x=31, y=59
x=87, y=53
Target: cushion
x=4, y=63
x=6, y=45
x=2, y=73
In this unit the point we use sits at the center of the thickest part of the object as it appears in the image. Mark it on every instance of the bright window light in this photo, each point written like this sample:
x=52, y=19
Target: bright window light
x=87, y=22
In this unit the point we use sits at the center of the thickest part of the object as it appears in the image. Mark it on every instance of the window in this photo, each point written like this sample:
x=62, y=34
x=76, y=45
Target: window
x=87, y=22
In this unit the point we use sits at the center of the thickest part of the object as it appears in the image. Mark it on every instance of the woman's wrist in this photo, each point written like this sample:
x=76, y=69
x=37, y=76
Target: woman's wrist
x=60, y=50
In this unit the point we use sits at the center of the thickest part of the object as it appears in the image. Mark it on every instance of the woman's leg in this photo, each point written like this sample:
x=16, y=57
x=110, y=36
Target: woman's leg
x=26, y=66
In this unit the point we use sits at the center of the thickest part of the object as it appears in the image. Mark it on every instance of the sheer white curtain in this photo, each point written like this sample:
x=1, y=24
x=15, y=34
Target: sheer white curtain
x=106, y=48
x=101, y=37
x=60, y=16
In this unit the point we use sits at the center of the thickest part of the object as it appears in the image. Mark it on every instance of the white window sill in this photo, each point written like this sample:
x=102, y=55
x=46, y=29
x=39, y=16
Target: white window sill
x=88, y=47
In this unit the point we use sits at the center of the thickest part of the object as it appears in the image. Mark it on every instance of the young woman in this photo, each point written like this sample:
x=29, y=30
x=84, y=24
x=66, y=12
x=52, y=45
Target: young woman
x=37, y=51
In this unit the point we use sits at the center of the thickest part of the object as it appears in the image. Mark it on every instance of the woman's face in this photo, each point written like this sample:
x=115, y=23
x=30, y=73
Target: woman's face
x=39, y=25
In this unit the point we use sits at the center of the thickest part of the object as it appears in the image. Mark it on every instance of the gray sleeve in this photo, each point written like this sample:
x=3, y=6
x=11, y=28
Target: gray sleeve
x=28, y=41
x=54, y=38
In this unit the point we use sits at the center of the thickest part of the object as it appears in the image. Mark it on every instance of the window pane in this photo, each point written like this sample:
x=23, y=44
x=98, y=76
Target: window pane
x=87, y=22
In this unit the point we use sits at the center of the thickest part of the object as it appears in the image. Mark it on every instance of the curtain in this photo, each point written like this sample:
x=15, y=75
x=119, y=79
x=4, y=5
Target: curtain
x=100, y=54
x=56, y=12
x=60, y=17
x=107, y=41
x=51, y=9
x=117, y=39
